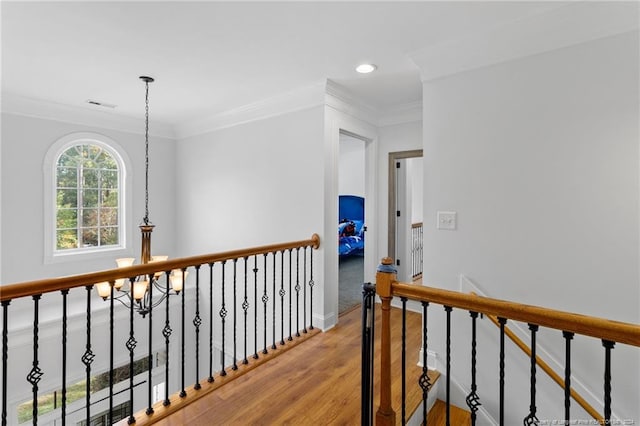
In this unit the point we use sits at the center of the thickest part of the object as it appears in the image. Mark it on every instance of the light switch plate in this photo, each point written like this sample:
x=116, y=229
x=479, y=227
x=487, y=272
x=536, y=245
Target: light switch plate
x=447, y=220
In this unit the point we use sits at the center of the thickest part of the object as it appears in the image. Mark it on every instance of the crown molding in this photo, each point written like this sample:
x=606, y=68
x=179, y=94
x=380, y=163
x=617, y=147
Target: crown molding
x=37, y=108
x=400, y=114
x=564, y=26
x=340, y=99
x=295, y=100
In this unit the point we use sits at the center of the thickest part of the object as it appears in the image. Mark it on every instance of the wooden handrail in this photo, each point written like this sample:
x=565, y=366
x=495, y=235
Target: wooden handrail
x=600, y=328
x=416, y=225
x=30, y=288
x=550, y=372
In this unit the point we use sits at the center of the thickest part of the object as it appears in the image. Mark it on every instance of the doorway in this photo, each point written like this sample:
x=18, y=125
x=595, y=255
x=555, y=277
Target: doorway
x=351, y=221
x=405, y=226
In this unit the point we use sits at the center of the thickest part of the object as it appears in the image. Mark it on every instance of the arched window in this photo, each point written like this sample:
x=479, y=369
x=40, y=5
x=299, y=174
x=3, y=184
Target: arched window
x=87, y=203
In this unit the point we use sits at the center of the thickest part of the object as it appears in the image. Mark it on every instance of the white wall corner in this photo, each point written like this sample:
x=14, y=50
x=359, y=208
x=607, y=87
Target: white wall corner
x=566, y=25
x=400, y=114
x=84, y=116
x=283, y=103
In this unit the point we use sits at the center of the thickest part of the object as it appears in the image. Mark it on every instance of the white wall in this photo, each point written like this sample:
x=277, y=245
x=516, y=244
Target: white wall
x=539, y=156
x=352, y=170
x=25, y=141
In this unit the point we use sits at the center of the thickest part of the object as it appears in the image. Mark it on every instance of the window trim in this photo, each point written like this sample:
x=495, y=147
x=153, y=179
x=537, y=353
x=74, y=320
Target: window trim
x=51, y=254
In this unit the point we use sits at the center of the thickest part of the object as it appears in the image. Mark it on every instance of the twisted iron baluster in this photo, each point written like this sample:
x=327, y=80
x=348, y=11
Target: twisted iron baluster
x=404, y=360
x=290, y=338
x=304, y=291
x=245, y=308
x=255, y=306
x=111, y=353
x=183, y=392
x=166, y=332
x=424, y=381
x=35, y=374
x=265, y=299
x=311, y=284
x=63, y=412
x=567, y=376
x=297, y=288
x=210, y=378
x=131, y=345
x=235, y=315
x=368, y=336
x=608, y=345
x=197, y=322
x=149, y=410
x=282, y=294
x=448, y=310
x=502, y=322
x=273, y=312
x=88, y=356
x=531, y=419
x=473, y=401
x=5, y=357
x=223, y=315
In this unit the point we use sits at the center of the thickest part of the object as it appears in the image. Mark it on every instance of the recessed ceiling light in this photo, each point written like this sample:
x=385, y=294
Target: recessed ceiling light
x=366, y=68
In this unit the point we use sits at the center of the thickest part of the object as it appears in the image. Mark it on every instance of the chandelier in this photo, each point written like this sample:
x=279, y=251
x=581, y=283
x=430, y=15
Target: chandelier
x=135, y=291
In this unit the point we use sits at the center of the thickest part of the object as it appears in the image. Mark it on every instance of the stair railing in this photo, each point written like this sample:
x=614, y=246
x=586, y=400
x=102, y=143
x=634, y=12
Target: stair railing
x=387, y=287
x=269, y=292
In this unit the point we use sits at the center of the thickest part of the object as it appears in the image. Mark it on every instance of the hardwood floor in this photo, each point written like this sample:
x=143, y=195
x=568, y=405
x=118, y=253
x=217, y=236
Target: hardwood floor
x=315, y=383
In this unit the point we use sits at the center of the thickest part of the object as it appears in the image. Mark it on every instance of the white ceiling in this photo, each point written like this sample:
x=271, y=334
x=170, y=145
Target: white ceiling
x=208, y=57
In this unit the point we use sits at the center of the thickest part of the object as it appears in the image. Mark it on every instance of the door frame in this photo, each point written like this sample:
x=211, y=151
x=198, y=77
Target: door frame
x=391, y=212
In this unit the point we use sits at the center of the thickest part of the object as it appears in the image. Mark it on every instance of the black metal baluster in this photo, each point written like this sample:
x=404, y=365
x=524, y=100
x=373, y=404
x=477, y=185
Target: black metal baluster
x=404, y=360
x=5, y=357
x=197, y=322
x=131, y=345
x=88, y=356
x=210, y=378
x=245, y=308
x=149, y=410
x=473, y=401
x=567, y=376
x=531, y=419
x=311, y=284
x=282, y=294
x=424, y=381
x=235, y=315
x=166, y=332
x=608, y=345
x=183, y=392
x=448, y=310
x=35, y=374
x=111, y=352
x=304, y=291
x=273, y=312
x=63, y=411
x=265, y=299
x=290, y=338
x=223, y=315
x=297, y=292
x=255, y=306
x=502, y=322
x=368, y=337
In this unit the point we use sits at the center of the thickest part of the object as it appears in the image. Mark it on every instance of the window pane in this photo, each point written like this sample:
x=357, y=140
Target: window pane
x=67, y=219
x=108, y=217
x=67, y=177
x=66, y=198
x=109, y=198
x=109, y=236
x=89, y=218
x=90, y=198
x=109, y=179
x=66, y=239
x=89, y=237
x=89, y=178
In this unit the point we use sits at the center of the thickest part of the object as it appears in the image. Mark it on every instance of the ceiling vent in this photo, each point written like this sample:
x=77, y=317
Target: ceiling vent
x=101, y=104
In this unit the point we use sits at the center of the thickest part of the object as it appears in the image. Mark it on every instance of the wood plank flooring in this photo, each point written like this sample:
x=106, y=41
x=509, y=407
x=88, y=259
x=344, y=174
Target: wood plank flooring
x=315, y=383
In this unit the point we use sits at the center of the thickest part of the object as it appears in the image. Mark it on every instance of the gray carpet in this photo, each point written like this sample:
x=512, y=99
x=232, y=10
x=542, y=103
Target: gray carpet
x=351, y=277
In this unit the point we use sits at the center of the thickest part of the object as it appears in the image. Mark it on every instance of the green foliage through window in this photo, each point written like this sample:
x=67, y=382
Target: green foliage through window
x=87, y=198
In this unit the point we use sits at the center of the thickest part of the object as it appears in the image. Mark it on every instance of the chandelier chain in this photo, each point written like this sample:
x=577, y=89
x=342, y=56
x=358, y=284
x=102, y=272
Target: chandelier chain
x=146, y=155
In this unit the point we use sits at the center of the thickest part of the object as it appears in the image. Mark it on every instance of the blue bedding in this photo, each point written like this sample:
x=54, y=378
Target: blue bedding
x=351, y=226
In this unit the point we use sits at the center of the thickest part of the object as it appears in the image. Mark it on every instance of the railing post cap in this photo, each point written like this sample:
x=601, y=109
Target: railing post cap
x=386, y=265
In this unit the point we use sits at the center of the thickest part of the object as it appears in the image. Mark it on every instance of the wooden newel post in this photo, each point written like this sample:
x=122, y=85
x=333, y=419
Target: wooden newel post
x=385, y=276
